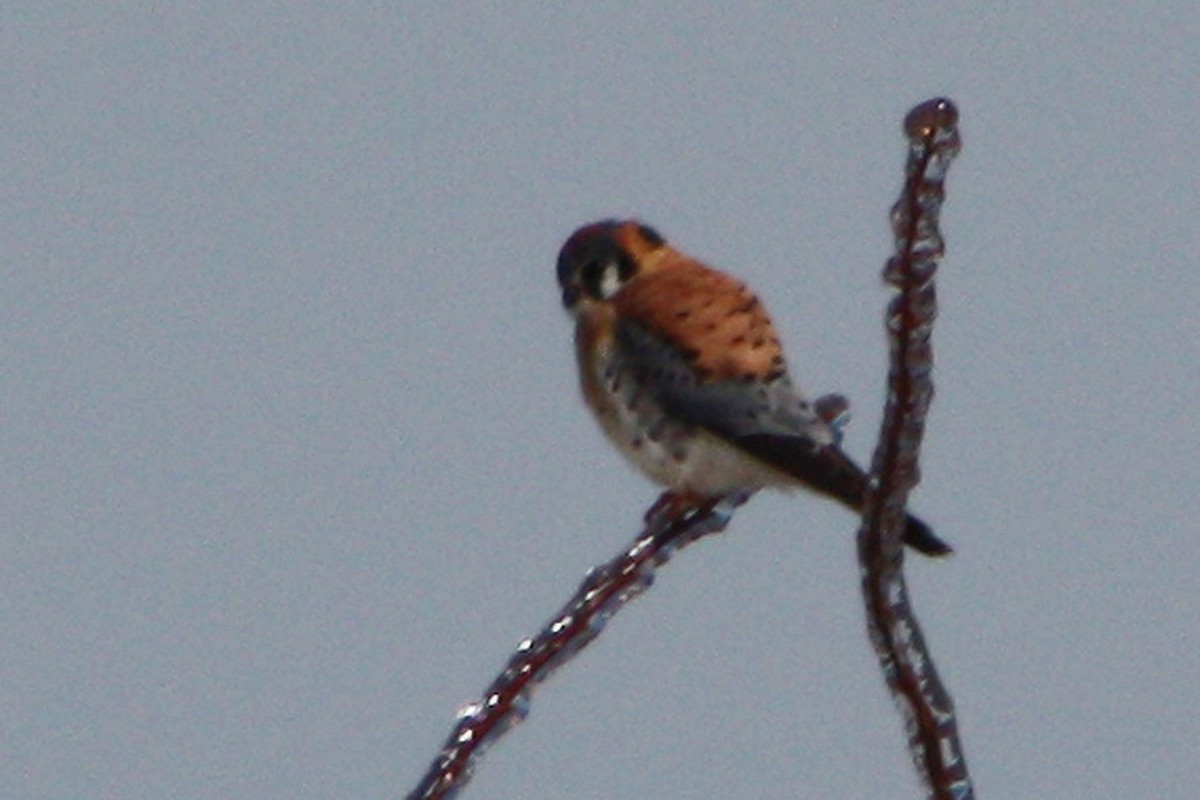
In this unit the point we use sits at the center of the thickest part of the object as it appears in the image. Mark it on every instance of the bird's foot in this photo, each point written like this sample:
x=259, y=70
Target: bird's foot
x=674, y=506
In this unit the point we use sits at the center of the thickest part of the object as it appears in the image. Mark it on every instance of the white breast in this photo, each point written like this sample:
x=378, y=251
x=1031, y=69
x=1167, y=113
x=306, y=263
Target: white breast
x=676, y=455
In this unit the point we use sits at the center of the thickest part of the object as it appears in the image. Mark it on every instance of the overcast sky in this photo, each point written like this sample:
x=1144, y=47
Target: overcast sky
x=292, y=453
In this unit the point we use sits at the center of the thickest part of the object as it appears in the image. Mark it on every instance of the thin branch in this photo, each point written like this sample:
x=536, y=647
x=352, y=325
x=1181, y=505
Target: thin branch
x=903, y=655
x=671, y=524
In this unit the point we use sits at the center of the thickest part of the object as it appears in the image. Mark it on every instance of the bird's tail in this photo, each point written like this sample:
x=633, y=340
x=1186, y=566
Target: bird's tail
x=920, y=537
x=830, y=471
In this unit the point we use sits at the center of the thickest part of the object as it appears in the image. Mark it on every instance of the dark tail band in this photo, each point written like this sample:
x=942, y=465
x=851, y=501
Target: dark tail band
x=920, y=537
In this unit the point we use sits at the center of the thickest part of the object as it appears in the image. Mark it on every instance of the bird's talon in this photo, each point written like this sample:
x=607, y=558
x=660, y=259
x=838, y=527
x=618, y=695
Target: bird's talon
x=671, y=507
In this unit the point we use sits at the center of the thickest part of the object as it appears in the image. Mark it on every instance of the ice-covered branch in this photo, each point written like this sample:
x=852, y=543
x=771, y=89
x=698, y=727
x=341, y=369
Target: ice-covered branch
x=903, y=655
x=671, y=524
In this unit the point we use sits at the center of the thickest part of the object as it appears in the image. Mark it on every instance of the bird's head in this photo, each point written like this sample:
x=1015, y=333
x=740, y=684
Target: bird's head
x=599, y=259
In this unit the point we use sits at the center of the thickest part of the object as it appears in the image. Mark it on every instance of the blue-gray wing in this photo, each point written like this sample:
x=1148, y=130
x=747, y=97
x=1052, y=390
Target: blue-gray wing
x=771, y=421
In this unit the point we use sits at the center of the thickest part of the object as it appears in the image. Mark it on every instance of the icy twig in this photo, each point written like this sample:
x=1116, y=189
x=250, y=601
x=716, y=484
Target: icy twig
x=907, y=665
x=672, y=523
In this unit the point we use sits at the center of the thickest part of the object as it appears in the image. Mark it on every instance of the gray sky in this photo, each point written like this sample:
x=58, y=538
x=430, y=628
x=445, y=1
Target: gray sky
x=292, y=453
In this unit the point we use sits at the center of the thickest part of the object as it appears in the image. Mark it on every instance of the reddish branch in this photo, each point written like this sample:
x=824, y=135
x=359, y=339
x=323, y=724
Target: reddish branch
x=903, y=655
x=671, y=524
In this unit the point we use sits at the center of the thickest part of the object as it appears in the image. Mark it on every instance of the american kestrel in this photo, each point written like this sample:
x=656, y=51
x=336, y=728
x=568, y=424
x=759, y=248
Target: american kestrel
x=681, y=367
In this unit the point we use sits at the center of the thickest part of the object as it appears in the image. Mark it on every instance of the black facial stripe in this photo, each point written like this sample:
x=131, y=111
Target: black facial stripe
x=592, y=277
x=625, y=267
x=598, y=276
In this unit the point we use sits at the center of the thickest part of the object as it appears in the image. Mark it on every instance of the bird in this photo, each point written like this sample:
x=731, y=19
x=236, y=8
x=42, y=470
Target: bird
x=682, y=368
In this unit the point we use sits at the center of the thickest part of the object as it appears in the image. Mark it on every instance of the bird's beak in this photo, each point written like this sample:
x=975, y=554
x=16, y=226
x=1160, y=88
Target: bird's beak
x=570, y=296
